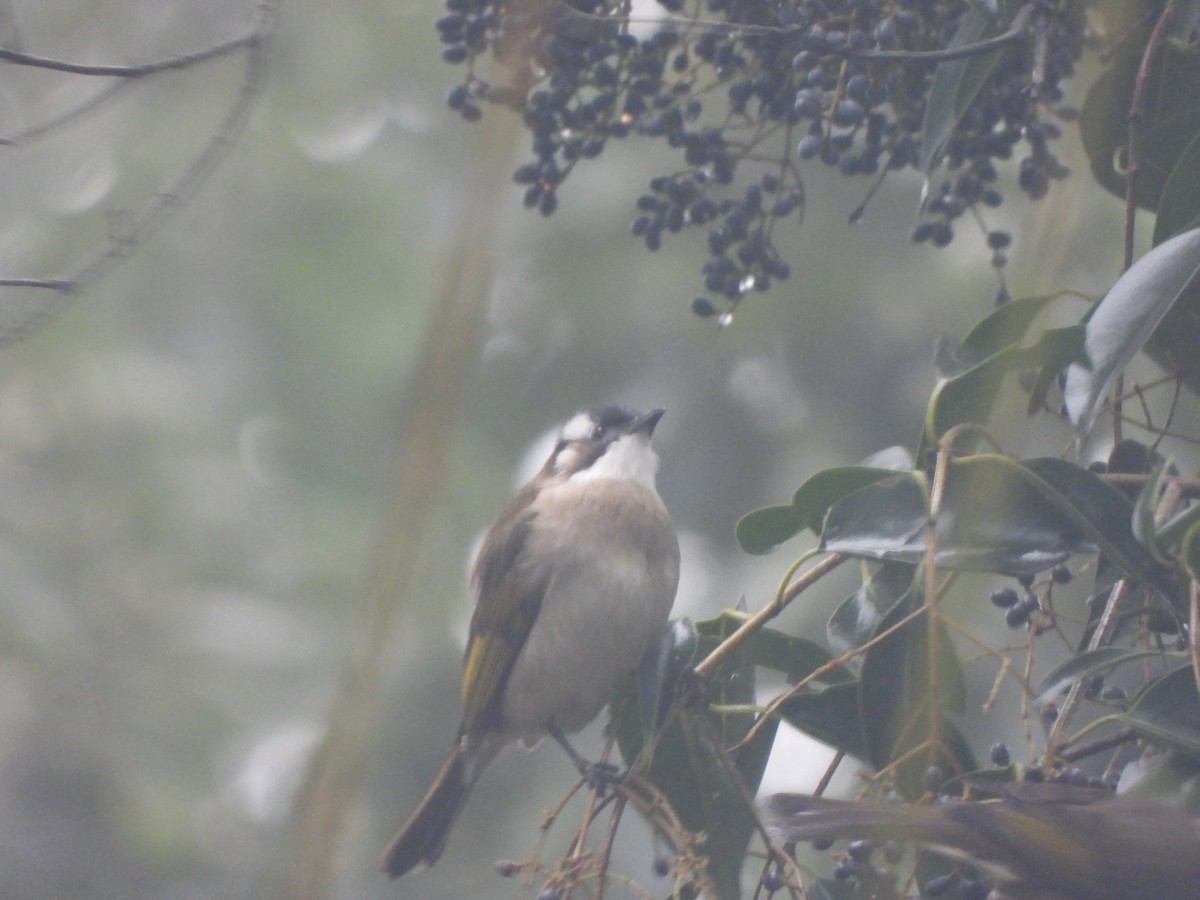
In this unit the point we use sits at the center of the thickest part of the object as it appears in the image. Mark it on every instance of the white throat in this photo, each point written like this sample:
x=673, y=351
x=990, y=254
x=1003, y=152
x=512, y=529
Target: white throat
x=628, y=458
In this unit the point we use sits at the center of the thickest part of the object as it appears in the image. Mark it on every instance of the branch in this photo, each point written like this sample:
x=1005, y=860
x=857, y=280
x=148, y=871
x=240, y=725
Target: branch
x=1136, y=116
x=132, y=71
x=764, y=615
x=128, y=239
x=90, y=105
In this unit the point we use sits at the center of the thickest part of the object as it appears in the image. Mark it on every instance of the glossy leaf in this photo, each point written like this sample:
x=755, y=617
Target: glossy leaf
x=814, y=498
x=1123, y=320
x=997, y=515
x=885, y=520
x=855, y=620
x=991, y=520
x=762, y=530
x=660, y=673
x=1102, y=513
x=970, y=395
x=1167, y=712
x=794, y=657
x=685, y=764
x=830, y=715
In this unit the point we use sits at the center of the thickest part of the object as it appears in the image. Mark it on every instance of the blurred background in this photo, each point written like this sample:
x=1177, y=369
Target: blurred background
x=197, y=455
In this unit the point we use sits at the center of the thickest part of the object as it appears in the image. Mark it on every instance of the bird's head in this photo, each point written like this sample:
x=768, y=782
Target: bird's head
x=606, y=441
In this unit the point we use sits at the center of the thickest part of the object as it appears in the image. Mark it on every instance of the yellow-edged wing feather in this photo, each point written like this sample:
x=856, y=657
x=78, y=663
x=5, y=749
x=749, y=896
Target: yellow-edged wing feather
x=509, y=597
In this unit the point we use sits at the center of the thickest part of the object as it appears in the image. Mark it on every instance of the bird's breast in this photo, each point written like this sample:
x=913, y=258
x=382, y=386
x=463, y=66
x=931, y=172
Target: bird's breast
x=613, y=566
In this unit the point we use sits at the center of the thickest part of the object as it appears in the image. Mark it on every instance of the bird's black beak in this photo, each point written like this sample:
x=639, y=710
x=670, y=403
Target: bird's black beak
x=647, y=422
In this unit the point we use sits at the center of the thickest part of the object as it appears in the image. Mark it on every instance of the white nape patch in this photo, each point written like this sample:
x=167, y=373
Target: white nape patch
x=628, y=458
x=579, y=428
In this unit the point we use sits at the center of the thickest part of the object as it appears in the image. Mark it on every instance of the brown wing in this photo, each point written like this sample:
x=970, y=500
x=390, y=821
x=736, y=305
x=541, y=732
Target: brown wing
x=509, y=597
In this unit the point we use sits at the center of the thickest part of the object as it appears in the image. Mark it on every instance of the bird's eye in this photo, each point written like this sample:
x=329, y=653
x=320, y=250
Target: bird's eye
x=597, y=432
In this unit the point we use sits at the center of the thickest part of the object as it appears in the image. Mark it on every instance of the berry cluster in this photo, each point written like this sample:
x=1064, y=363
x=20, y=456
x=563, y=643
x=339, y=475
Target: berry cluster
x=747, y=90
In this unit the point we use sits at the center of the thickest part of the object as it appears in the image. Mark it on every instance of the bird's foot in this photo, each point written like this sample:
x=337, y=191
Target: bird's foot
x=599, y=776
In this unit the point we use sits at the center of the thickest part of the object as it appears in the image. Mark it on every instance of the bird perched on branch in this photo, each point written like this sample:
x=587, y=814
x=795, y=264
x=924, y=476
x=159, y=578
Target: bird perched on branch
x=573, y=586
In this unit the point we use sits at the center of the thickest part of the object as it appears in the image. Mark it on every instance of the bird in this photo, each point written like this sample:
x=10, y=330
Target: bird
x=1042, y=840
x=573, y=584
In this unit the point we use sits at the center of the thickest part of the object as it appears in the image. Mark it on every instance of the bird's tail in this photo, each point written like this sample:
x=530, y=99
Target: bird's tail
x=421, y=840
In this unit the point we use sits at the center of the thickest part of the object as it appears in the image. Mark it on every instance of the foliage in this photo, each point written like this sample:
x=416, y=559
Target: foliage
x=748, y=90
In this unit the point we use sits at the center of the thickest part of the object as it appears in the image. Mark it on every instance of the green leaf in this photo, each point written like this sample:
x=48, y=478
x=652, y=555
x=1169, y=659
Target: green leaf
x=997, y=515
x=686, y=766
x=1179, y=209
x=1175, y=343
x=1144, y=508
x=1170, y=777
x=969, y=396
x=830, y=715
x=1122, y=321
x=1103, y=514
x=660, y=673
x=957, y=82
x=854, y=622
x=813, y=498
x=991, y=521
x=1167, y=712
x=903, y=674
x=1059, y=348
x=762, y=530
x=795, y=657
x=1172, y=533
x=1005, y=325
x=1190, y=551
x=885, y=520
x=1171, y=119
x=1089, y=662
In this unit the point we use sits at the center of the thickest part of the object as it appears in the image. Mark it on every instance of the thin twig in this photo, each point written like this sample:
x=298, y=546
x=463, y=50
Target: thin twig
x=1137, y=112
x=1100, y=638
x=1137, y=106
x=768, y=612
x=182, y=61
x=734, y=777
x=772, y=708
x=78, y=112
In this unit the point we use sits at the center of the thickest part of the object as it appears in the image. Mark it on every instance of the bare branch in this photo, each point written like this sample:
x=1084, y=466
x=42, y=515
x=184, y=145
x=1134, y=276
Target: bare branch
x=125, y=241
x=131, y=71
